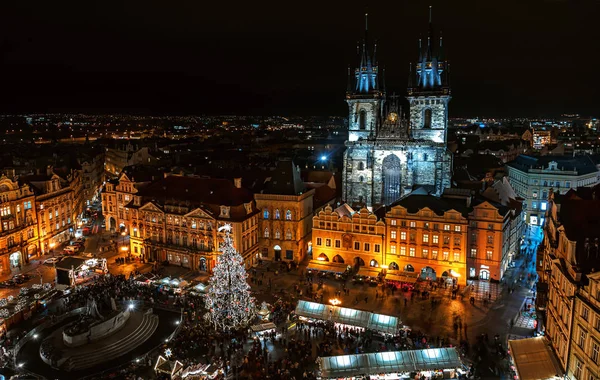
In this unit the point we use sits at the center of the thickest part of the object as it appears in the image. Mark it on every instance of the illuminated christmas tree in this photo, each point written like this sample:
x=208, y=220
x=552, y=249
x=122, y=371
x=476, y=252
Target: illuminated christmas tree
x=228, y=300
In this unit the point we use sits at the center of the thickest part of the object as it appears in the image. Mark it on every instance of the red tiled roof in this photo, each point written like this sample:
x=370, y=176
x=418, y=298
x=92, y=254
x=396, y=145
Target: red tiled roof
x=197, y=190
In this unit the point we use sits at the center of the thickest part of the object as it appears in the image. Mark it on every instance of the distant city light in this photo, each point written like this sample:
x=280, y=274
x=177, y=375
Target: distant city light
x=323, y=158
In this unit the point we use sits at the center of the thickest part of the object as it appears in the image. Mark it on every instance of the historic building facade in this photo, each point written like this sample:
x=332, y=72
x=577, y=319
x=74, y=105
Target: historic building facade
x=347, y=236
x=19, y=236
x=571, y=258
x=532, y=178
x=285, y=222
x=387, y=156
x=59, y=201
x=176, y=219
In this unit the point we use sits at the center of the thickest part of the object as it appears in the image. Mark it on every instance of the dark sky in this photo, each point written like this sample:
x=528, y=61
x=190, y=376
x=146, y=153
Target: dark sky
x=508, y=57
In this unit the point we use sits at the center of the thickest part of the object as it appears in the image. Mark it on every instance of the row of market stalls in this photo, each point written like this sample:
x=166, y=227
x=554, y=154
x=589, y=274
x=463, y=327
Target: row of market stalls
x=431, y=363
x=380, y=323
x=196, y=286
x=397, y=276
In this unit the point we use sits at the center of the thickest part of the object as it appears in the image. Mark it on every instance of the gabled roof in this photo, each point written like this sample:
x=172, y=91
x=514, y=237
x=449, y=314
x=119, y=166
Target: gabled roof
x=285, y=180
x=415, y=202
x=197, y=190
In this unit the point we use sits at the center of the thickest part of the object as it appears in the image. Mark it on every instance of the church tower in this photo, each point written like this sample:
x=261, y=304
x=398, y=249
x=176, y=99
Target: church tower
x=429, y=91
x=387, y=156
x=365, y=100
x=364, y=96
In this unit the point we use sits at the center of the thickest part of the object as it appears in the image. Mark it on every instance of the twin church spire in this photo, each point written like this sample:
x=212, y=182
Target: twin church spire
x=430, y=73
x=366, y=75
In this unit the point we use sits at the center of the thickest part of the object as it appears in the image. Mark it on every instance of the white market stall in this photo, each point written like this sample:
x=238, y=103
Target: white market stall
x=534, y=359
x=391, y=365
x=356, y=318
x=263, y=328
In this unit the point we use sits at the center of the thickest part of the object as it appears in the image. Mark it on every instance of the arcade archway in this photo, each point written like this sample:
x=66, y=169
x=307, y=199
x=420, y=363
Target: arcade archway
x=277, y=250
x=409, y=268
x=358, y=262
x=393, y=266
x=428, y=273
x=323, y=257
x=338, y=259
x=373, y=263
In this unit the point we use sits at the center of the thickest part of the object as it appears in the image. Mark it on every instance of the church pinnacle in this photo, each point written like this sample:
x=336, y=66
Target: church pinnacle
x=366, y=74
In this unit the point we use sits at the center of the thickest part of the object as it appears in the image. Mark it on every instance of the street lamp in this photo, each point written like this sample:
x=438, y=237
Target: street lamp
x=52, y=245
x=334, y=302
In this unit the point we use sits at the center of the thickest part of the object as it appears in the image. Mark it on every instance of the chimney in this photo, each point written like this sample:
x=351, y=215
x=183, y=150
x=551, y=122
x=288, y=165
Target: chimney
x=237, y=182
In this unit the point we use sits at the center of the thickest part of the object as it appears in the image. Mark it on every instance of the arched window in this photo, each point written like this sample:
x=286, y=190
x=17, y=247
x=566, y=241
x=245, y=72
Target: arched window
x=277, y=214
x=361, y=179
x=266, y=214
x=362, y=120
x=361, y=166
x=427, y=118
x=288, y=215
x=425, y=156
x=277, y=234
x=288, y=234
x=266, y=234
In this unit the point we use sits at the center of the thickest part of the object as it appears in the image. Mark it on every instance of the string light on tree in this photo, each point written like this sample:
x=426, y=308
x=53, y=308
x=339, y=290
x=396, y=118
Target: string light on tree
x=228, y=300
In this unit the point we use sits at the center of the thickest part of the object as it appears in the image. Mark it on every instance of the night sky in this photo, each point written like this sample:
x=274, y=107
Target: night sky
x=509, y=58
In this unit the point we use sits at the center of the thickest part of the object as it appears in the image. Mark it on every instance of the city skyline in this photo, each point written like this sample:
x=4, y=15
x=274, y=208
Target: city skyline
x=264, y=60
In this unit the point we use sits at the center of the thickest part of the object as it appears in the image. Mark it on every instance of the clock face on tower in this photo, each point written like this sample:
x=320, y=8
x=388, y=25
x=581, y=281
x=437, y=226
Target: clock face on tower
x=393, y=117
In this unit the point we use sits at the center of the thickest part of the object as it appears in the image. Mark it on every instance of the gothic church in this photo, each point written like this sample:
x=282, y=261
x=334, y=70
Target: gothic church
x=388, y=155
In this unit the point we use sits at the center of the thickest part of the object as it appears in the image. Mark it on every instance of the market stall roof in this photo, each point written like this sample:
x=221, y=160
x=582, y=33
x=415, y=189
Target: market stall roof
x=69, y=263
x=401, y=277
x=344, y=366
x=534, y=359
x=263, y=327
x=327, y=266
x=371, y=272
x=201, y=287
x=359, y=318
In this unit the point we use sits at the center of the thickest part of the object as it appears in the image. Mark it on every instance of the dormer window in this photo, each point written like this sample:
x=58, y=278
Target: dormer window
x=224, y=212
x=248, y=207
x=277, y=214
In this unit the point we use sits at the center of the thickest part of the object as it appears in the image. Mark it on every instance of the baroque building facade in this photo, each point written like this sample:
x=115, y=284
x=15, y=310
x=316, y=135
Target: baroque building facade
x=387, y=156
x=19, y=236
x=570, y=276
x=176, y=219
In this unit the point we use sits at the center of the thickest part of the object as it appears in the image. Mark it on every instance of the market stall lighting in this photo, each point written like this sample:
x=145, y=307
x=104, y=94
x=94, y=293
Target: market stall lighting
x=131, y=306
x=20, y=365
x=335, y=301
x=35, y=336
x=321, y=258
x=124, y=248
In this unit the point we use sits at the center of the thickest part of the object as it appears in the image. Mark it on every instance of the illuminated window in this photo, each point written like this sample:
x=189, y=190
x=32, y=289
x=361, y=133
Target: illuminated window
x=425, y=253
x=413, y=224
x=445, y=255
x=446, y=227
x=328, y=242
x=402, y=251
x=403, y=235
x=456, y=256
x=277, y=214
x=265, y=214
x=393, y=235
x=393, y=222
x=412, y=251
x=457, y=228
x=425, y=238
x=266, y=234
x=473, y=253
x=489, y=255
x=435, y=239
x=393, y=249
x=288, y=215
x=434, y=254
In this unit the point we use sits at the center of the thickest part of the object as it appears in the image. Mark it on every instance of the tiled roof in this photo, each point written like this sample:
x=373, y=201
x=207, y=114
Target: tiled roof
x=197, y=190
x=583, y=164
x=285, y=180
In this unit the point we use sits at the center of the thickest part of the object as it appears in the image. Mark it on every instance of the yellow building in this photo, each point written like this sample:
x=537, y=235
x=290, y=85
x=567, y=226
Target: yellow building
x=19, y=238
x=176, y=219
x=428, y=235
x=118, y=193
x=59, y=202
x=346, y=236
x=285, y=223
x=456, y=237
